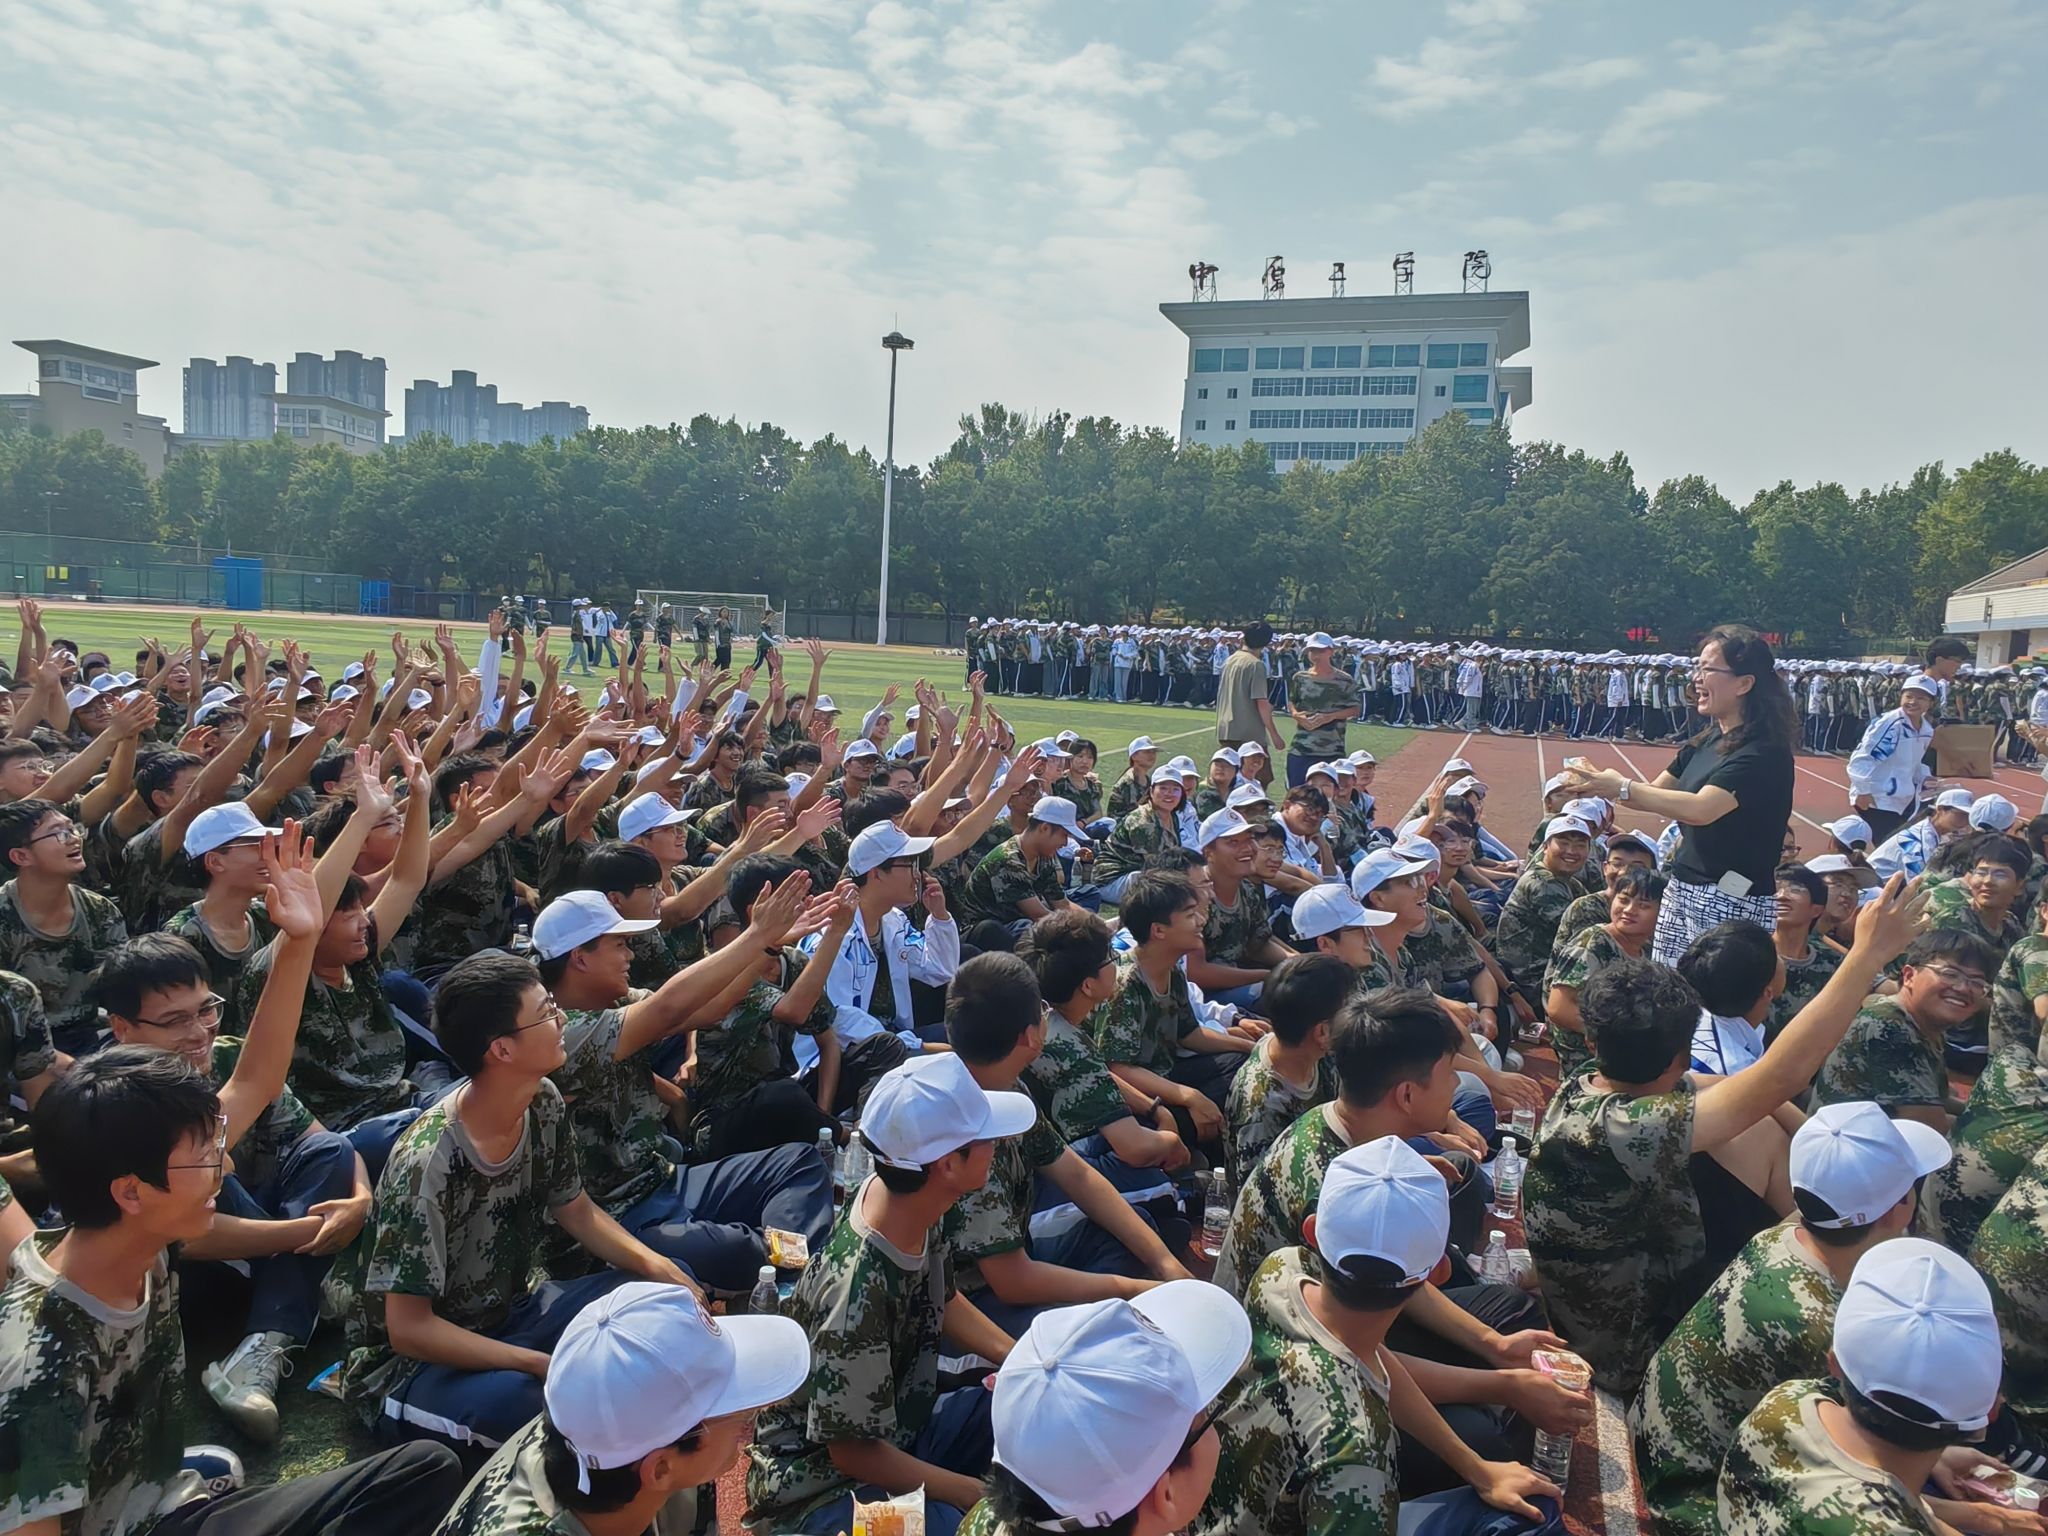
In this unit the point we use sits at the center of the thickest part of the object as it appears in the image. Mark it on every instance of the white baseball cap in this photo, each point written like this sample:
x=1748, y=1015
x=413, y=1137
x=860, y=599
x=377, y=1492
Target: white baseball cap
x=1920, y=682
x=861, y=748
x=343, y=693
x=646, y=812
x=1166, y=773
x=1247, y=749
x=1226, y=755
x=1382, y=1201
x=1247, y=792
x=824, y=706
x=642, y=1367
x=1140, y=744
x=1564, y=826
x=1330, y=908
x=1590, y=809
x=1183, y=765
x=219, y=825
x=1916, y=1320
x=1993, y=813
x=1049, y=746
x=1861, y=1161
x=1467, y=786
x=931, y=1105
x=597, y=760
x=1841, y=864
x=1067, y=738
x=1377, y=868
x=419, y=698
x=1849, y=830
x=1361, y=760
x=575, y=919
x=1554, y=783
x=78, y=695
x=1220, y=824
x=1094, y=1402
x=1413, y=847
x=1955, y=800
x=1327, y=770
x=1058, y=812
x=880, y=843
x=1456, y=765
x=1320, y=641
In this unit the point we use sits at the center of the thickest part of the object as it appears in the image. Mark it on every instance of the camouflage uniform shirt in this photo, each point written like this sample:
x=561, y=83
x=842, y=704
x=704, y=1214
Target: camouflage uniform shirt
x=1587, y=911
x=1238, y=935
x=348, y=1063
x=1134, y=840
x=450, y=1226
x=2003, y=1123
x=1313, y=695
x=1127, y=794
x=1886, y=1058
x=469, y=911
x=746, y=1048
x=1804, y=979
x=872, y=1313
x=1785, y=1476
x=93, y=1400
x=1308, y=1441
x=1528, y=923
x=224, y=965
x=994, y=1218
x=1262, y=1104
x=1613, y=1223
x=511, y=1496
x=1071, y=1083
x=149, y=890
x=265, y=1143
x=26, y=1050
x=2021, y=982
x=1002, y=882
x=1141, y=1027
x=2011, y=1252
x=1769, y=1316
x=617, y=1117
x=1279, y=1196
x=1572, y=967
x=1443, y=954
x=60, y=965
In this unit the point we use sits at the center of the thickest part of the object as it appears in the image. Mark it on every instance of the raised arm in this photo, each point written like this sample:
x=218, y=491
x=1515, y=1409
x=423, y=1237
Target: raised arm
x=293, y=902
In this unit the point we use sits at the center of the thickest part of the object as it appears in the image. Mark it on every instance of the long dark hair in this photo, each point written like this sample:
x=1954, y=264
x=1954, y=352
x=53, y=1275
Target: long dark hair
x=1768, y=717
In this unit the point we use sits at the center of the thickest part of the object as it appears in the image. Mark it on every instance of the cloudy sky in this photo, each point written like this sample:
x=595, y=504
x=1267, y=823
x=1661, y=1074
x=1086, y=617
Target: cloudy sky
x=1759, y=243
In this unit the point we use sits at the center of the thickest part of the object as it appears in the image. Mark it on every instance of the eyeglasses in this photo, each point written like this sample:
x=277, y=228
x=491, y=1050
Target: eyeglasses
x=550, y=1013
x=1701, y=671
x=206, y=1017
x=70, y=832
x=1997, y=874
x=1963, y=979
x=1206, y=1419
x=220, y=1153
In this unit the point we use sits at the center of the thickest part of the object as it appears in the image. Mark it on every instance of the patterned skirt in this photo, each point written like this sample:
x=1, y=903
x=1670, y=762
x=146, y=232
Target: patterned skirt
x=1690, y=910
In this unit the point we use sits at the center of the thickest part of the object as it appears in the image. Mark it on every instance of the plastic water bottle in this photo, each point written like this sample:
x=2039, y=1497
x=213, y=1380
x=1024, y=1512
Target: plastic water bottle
x=766, y=1300
x=830, y=1153
x=1216, y=1215
x=853, y=1165
x=1553, y=1454
x=1524, y=1122
x=1494, y=1266
x=1507, y=1180
x=522, y=941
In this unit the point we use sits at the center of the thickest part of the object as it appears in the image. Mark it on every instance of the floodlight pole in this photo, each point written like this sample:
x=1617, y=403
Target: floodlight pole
x=896, y=342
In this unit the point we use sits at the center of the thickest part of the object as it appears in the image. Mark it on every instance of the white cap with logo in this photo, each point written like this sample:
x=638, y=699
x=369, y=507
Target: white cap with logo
x=1094, y=1402
x=931, y=1105
x=1955, y=800
x=1329, y=909
x=1377, y=868
x=1916, y=1320
x=1849, y=830
x=219, y=825
x=1057, y=812
x=1920, y=682
x=1220, y=824
x=1993, y=813
x=642, y=1367
x=573, y=920
x=1247, y=792
x=880, y=843
x=1825, y=864
x=1140, y=744
x=1861, y=1161
x=1382, y=1201
x=644, y=813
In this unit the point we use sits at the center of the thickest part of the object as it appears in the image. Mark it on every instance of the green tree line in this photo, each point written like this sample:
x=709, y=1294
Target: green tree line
x=1082, y=518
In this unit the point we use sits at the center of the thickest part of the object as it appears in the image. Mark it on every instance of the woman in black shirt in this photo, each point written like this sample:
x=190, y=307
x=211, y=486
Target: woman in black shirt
x=1730, y=787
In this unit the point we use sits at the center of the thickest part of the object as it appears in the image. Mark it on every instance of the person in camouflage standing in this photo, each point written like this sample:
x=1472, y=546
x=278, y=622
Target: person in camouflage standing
x=1916, y=1371
x=873, y=1303
x=1642, y=1186
x=1771, y=1314
x=1309, y=1446
x=1529, y=917
x=1321, y=701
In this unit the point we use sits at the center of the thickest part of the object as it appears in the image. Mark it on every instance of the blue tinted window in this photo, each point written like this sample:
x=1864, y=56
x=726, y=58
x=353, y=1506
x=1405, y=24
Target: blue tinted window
x=1347, y=357
x=1472, y=354
x=1379, y=357
x=1407, y=357
x=1283, y=451
x=1236, y=359
x=1290, y=357
x=1334, y=384
x=1443, y=354
x=1278, y=387
x=1479, y=413
x=1322, y=357
x=1469, y=388
x=1267, y=420
x=1267, y=357
x=1208, y=360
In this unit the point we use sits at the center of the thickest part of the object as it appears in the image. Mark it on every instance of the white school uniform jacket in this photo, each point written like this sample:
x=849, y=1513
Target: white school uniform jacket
x=1219, y=653
x=1125, y=652
x=2037, y=707
x=930, y=955
x=1471, y=680
x=1887, y=763
x=1403, y=676
x=1905, y=852
x=1617, y=688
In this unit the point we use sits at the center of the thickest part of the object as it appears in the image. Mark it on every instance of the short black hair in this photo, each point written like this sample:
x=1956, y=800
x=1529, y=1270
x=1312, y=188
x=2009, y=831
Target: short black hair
x=1153, y=899
x=1813, y=1209
x=1177, y=860
x=1389, y=1036
x=870, y=808
x=990, y=1003
x=1947, y=648
x=149, y=962
x=2035, y=832
x=1900, y=1421
x=325, y=824
x=1798, y=874
x=1303, y=991
x=327, y=770
x=118, y=1113
x=1082, y=744
x=478, y=1001
x=1956, y=945
x=743, y=885
x=609, y=1488
x=458, y=771
x=18, y=825
x=1363, y=1284
x=1730, y=965
x=756, y=786
x=21, y=746
x=1064, y=949
x=617, y=869
x=158, y=771
x=1997, y=848
x=804, y=754
x=1310, y=796
x=1268, y=831
x=1017, y=1508
x=1258, y=635
x=1642, y=884
x=1640, y=1016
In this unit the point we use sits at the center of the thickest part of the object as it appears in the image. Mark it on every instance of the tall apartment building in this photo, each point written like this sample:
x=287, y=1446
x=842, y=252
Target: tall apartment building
x=85, y=389
x=1333, y=379
x=464, y=411
x=228, y=400
x=347, y=376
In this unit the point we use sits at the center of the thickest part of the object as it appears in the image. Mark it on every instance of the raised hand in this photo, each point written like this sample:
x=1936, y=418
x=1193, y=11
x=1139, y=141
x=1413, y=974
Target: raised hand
x=131, y=717
x=291, y=895
x=818, y=815
x=412, y=767
x=374, y=797
x=776, y=909
x=549, y=775
x=333, y=719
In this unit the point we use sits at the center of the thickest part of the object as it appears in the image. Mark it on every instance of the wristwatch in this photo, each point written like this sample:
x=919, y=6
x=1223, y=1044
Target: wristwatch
x=1622, y=793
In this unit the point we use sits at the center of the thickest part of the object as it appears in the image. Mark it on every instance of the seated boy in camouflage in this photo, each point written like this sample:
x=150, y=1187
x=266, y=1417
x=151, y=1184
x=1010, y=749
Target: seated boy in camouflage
x=1627, y=925
x=2003, y=1124
x=1289, y=1072
x=708, y=1216
x=1530, y=915
x=453, y=1337
x=1309, y=1441
x=875, y=1305
x=1771, y=1314
x=53, y=930
x=1625, y=851
x=996, y=1022
x=1644, y=1185
x=1895, y=1051
x=1020, y=882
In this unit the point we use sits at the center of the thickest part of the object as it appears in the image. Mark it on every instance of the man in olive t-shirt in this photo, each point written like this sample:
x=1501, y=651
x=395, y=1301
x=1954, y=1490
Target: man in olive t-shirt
x=1243, y=712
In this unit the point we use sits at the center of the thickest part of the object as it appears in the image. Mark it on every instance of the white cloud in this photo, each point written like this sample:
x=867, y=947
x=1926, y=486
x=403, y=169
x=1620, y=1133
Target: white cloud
x=1650, y=121
x=1590, y=74
x=1489, y=13
x=1442, y=74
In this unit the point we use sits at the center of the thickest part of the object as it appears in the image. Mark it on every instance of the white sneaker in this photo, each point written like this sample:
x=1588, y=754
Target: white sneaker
x=244, y=1385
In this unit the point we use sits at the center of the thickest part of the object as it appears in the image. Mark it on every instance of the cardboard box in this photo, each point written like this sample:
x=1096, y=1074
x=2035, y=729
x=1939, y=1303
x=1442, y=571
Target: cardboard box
x=1963, y=751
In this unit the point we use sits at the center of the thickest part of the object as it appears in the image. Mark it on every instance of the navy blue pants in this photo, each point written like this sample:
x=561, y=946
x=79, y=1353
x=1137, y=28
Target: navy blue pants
x=958, y=1438
x=708, y=1217
x=285, y=1287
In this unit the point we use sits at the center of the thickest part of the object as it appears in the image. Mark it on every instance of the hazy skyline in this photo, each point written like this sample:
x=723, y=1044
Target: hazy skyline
x=1737, y=226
